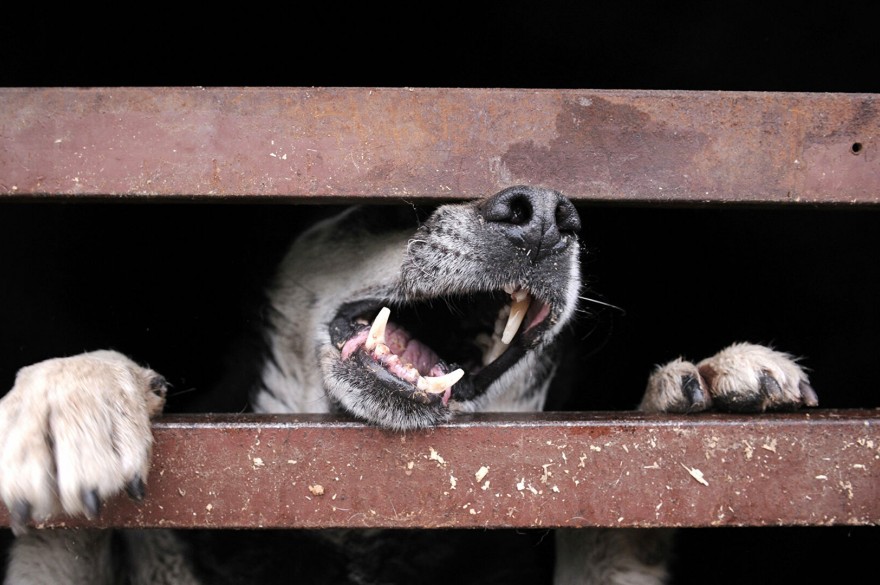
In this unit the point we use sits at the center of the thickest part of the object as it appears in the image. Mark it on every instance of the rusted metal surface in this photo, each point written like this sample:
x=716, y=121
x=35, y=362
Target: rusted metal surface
x=342, y=143
x=586, y=469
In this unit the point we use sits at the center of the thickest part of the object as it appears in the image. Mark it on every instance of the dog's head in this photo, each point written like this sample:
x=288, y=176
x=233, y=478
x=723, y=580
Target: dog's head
x=411, y=320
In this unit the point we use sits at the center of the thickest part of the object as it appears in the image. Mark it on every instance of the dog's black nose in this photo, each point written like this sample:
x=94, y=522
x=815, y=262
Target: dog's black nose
x=534, y=218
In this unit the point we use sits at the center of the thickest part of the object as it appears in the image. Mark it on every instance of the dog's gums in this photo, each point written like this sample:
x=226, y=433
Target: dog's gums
x=408, y=359
x=403, y=356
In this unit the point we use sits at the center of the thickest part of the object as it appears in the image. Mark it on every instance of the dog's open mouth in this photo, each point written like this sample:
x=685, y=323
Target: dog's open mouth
x=441, y=349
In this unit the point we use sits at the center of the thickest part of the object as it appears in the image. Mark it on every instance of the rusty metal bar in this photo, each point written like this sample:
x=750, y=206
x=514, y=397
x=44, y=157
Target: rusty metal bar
x=583, y=469
x=344, y=143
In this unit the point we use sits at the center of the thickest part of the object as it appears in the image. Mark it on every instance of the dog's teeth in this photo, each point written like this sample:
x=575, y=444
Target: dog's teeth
x=439, y=384
x=377, y=329
x=494, y=352
x=520, y=294
x=518, y=310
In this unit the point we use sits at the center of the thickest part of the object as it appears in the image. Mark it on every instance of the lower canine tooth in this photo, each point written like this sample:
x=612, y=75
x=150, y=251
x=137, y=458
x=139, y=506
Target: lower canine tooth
x=439, y=384
x=517, y=313
x=377, y=330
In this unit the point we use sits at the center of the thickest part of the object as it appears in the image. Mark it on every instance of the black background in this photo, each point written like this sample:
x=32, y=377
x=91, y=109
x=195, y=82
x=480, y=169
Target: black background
x=167, y=277
x=815, y=46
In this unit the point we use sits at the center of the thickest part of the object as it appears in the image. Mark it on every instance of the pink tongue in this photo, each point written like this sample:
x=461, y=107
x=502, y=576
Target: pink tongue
x=410, y=350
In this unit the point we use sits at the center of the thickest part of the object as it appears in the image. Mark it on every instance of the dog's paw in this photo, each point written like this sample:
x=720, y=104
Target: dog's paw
x=743, y=377
x=75, y=431
x=676, y=387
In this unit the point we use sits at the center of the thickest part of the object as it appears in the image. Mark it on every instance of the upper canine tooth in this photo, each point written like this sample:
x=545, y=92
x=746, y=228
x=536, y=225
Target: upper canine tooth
x=494, y=352
x=377, y=329
x=520, y=294
x=518, y=310
x=439, y=384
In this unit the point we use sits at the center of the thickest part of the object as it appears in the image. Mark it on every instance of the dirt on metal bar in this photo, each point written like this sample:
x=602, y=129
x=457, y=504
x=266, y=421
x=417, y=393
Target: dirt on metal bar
x=541, y=470
x=339, y=144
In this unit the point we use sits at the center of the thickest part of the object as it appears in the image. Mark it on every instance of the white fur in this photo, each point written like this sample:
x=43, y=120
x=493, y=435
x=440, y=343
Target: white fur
x=735, y=374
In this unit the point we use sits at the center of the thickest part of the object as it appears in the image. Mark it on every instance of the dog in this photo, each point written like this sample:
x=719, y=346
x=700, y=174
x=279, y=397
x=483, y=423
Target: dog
x=394, y=318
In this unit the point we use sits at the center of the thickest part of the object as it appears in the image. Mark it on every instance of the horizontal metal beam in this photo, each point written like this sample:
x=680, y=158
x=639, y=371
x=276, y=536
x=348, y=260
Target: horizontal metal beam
x=344, y=143
x=547, y=470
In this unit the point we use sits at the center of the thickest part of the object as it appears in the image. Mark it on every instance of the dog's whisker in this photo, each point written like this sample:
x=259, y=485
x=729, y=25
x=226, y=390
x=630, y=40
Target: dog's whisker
x=181, y=392
x=603, y=303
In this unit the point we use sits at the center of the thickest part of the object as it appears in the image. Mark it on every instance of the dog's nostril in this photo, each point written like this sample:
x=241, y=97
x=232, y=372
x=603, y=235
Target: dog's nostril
x=534, y=219
x=567, y=218
x=520, y=210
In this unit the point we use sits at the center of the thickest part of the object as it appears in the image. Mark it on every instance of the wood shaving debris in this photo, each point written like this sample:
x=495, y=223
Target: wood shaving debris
x=452, y=481
x=436, y=457
x=258, y=462
x=481, y=473
x=317, y=489
x=209, y=507
x=696, y=474
x=771, y=446
x=521, y=485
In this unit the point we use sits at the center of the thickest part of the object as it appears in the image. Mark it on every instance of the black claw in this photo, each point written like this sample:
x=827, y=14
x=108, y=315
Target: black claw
x=159, y=385
x=136, y=488
x=693, y=392
x=770, y=387
x=92, y=503
x=20, y=515
x=808, y=395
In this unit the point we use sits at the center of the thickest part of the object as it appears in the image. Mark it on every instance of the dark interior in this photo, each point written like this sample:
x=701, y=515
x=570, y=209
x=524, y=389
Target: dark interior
x=178, y=287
